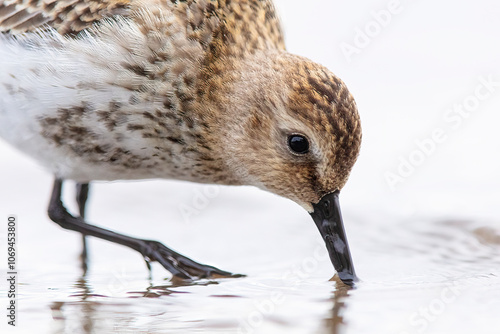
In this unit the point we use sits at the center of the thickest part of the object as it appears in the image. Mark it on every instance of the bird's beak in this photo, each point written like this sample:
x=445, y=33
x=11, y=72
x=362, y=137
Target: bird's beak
x=328, y=219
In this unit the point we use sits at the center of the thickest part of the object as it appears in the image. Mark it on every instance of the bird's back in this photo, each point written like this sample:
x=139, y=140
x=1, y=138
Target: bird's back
x=66, y=16
x=106, y=89
x=248, y=24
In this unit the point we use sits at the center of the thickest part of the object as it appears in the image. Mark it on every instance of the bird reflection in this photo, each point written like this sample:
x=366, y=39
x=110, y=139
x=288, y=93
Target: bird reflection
x=88, y=312
x=335, y=324
x=80, y=321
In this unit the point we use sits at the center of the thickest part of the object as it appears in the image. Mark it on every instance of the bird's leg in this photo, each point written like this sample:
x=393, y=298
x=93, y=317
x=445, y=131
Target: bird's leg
x=179, y=265
x=82, y=194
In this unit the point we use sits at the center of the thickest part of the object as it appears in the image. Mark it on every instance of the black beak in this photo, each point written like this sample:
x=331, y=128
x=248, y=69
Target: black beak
x=328, y=219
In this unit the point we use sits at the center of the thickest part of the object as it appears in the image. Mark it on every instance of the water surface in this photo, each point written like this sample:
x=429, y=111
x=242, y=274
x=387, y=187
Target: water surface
x=418, y=274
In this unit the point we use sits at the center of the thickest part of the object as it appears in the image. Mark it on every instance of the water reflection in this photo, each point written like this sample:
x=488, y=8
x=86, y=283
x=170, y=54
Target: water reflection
x=426, y=259
x=81, y=321
x=335, y=323
x=89, y=312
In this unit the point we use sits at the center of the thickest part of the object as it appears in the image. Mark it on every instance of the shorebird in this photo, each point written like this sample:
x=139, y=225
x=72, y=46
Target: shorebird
x=194, y=90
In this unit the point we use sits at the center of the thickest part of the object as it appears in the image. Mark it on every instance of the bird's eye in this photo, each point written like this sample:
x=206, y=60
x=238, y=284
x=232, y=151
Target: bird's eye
x=298, y=144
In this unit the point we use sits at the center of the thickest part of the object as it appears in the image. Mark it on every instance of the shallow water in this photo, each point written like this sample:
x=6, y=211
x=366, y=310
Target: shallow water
x=418, y=275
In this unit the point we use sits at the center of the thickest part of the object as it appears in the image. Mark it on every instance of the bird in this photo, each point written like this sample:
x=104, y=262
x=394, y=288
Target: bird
x=203, y=91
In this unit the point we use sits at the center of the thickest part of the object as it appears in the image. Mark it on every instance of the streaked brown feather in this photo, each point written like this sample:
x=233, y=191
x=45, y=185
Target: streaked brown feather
x=244, y=24
x=66, y=16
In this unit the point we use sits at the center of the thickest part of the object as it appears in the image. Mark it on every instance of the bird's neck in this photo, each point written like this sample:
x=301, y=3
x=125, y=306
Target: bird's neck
x=245, y=92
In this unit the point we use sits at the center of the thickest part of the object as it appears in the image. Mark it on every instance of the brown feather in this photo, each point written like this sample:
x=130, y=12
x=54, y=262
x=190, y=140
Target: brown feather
x=66, y=16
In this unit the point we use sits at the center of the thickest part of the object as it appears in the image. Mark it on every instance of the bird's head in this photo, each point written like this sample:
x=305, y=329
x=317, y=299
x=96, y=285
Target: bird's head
x=294, y=130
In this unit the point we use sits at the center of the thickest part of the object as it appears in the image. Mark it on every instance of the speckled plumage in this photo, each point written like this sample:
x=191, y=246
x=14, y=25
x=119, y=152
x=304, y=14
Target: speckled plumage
x=202, y=91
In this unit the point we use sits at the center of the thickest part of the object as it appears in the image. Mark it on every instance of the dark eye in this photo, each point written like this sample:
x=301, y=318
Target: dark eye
x=298, y=144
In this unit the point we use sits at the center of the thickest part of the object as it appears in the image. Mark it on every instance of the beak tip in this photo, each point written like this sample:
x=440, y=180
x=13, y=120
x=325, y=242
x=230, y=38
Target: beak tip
x=348, y=278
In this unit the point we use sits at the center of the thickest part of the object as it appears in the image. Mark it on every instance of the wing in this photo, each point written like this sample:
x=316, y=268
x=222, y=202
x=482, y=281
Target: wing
x=253, y=24
x=66, y=16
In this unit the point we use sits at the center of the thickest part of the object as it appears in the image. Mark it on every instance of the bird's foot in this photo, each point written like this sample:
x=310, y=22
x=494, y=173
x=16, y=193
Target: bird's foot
x=180, y=266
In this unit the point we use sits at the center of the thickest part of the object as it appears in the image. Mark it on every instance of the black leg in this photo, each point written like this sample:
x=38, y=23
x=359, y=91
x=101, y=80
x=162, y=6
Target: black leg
x=175, y=263
x=82, y=194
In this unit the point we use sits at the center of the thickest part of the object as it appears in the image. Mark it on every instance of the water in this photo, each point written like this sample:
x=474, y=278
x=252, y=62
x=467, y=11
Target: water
x=418, y=274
